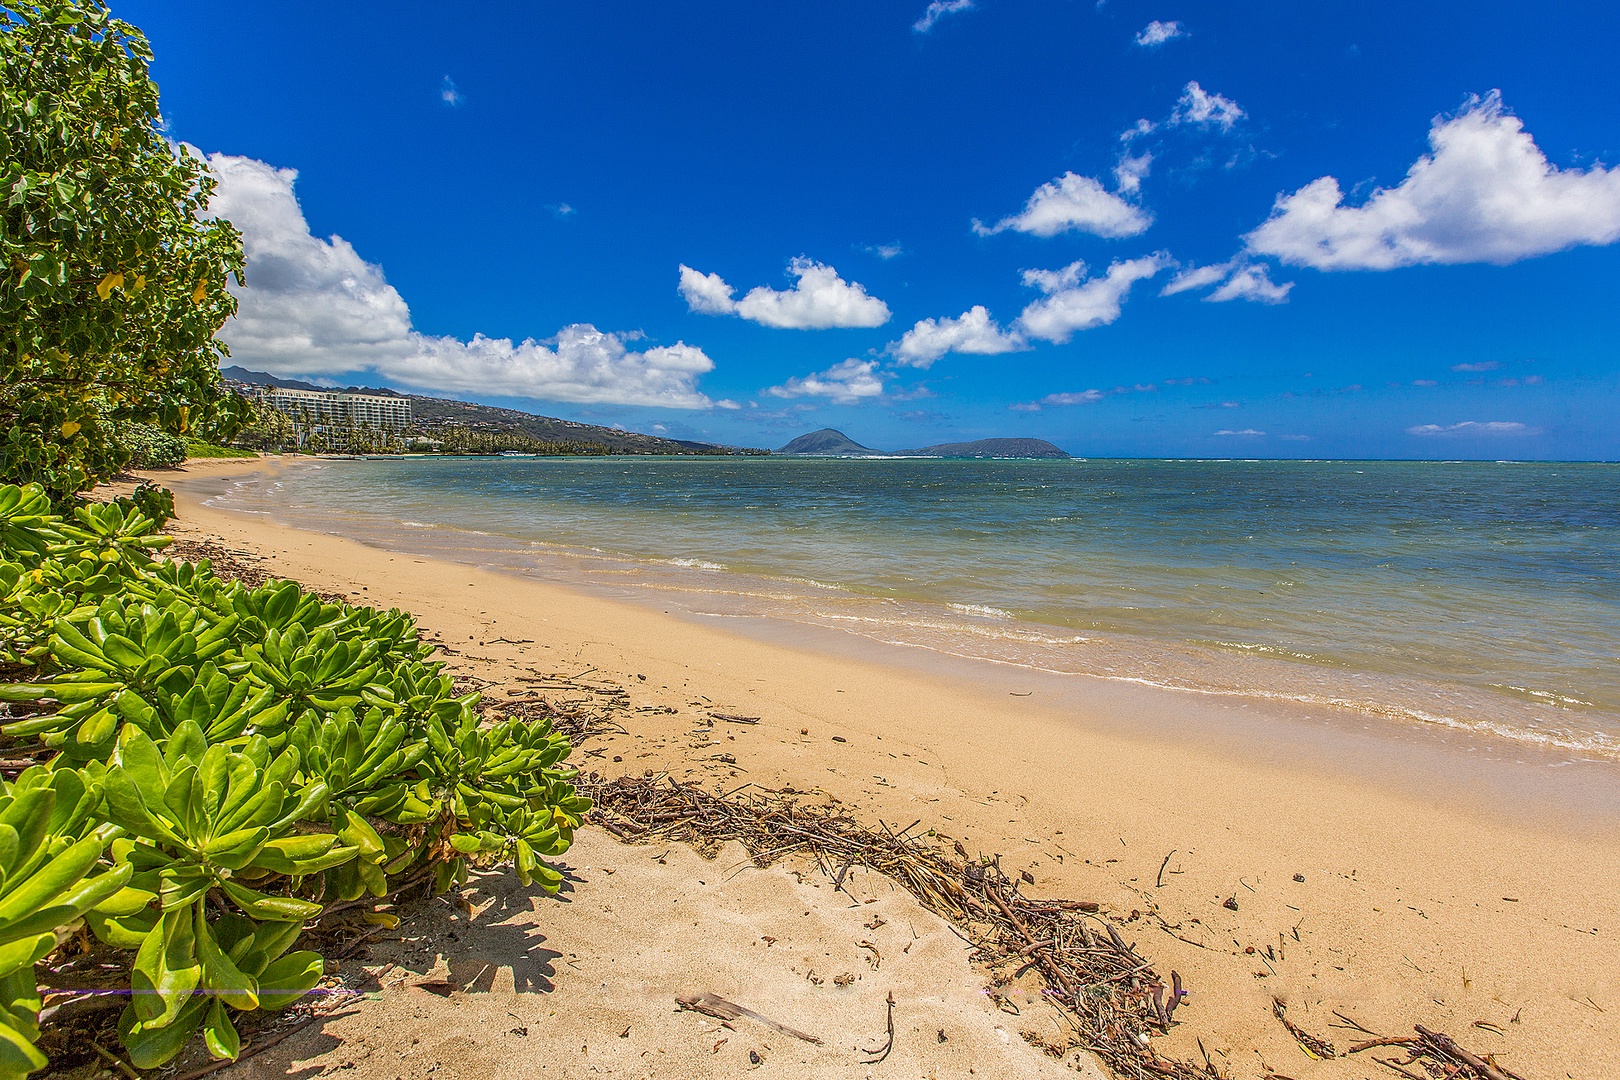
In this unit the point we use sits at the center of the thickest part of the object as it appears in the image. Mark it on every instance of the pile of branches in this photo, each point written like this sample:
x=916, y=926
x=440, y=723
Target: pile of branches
x=1111, y=993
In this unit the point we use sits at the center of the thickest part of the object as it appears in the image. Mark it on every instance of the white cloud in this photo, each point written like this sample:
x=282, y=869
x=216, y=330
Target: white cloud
x=1083, y=397
x=971, y=332
x=1197, y=277
x=1248, y=432
x=845, y=383
x=1130, y=170
x=1203, y=109
x=1137, y=130
x=1483, y=365
x=1475, y=427
x=1156, y=33
x=886, y=251
x=706, y=294
x=315, y=307
x=1073, y=202
x=1486, y=193
x=1243, y=280
x=937, y=11
x=1251, y=282
x=448, y=92
x=818, y=301
x=1073, y=304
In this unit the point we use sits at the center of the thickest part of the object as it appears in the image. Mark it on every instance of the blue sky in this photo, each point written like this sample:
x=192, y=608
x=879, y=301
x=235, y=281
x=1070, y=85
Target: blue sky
x=1166, y=228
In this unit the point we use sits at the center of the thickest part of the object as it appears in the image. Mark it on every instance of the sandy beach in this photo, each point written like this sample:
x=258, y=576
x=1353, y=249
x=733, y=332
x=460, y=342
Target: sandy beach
x=1356, y=878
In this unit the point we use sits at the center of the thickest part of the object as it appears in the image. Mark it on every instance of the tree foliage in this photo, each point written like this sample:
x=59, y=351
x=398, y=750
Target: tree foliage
x=112, y=279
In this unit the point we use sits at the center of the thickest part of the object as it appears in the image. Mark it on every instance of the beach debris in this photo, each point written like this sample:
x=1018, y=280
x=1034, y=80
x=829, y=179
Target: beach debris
x=875, y=1056
x=1299, y=877
x=1438, y=1053
x=1313, y=1045
x=1090, y=971
x=1230, y=903
x=876, y=959
x=1158, y=882
x=733, y=718
x=720, y=1009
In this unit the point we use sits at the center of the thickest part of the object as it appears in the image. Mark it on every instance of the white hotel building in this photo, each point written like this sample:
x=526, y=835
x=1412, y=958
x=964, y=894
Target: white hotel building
x=338, y=407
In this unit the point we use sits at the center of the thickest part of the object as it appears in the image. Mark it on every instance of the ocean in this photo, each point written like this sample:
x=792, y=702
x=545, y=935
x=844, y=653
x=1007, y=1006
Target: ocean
x=1482, y=597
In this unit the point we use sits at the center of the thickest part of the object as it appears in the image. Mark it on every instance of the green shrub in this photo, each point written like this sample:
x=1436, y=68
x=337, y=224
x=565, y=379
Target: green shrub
x=225, y=764
x=152, y=448
x=155, y=502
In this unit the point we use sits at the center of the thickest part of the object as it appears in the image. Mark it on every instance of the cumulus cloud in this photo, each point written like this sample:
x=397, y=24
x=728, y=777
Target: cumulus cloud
x=315, y=307
x=1251, y=282
x=1483, y=365
x=1475, y=427
x=706, y=294
x=1077, y=203
x=1238, y=278
x=1073, y=303
x=886, y=251
x=819, y=300
x=1247, y=432
x=1156, y=33
x=1203, y=109
x=937, y=11
x=448, y=93
x=845, y=383
x=1196, y=277
x=1485, y=193
x=972, y=332
x=1130, y=171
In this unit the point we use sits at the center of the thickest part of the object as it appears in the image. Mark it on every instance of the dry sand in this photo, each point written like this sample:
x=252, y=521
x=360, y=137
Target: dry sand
x=1494, y=923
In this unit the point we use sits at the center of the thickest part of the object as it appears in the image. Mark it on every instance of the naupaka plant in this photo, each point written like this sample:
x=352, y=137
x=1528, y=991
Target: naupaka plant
x=227, y=766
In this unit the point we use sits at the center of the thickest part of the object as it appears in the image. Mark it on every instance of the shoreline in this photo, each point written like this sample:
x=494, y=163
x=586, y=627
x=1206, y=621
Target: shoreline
x=1565, y=786
x=1417, y=905
x=616, y=556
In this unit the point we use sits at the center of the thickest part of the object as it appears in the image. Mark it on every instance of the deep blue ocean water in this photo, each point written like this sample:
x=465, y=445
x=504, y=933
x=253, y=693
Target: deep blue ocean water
x=1484, y=596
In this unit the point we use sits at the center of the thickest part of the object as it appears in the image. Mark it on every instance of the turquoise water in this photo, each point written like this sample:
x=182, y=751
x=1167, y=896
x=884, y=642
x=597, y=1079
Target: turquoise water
x=1483, y=596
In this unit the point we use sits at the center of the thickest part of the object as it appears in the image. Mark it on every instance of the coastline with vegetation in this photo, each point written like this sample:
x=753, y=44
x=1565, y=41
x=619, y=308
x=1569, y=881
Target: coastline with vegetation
x=1417, y=907
x=275, y=800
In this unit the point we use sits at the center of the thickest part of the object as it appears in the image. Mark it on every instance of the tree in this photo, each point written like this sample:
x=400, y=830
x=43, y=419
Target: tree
x=112, y=279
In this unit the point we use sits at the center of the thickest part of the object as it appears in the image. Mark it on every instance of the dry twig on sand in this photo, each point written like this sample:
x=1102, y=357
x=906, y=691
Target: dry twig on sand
x=1104, y=985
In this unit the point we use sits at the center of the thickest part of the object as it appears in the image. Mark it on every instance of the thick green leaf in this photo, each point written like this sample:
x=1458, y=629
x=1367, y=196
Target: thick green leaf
x=288, y=979
x=220, y=975
x=220, y=1035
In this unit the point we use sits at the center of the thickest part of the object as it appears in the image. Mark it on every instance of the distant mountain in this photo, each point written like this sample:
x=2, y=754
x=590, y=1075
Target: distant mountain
x=827, y=443
x=260, y=378
x=430, y=414
x=990, y=448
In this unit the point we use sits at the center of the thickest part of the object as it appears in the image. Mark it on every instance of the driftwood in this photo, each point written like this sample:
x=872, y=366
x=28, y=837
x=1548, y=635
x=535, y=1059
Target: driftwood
x=1090, y=971
x=1439, y=1054
x=718, y=1007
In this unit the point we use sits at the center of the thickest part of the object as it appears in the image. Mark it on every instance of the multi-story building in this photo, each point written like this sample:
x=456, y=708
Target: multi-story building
x=323, y=407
